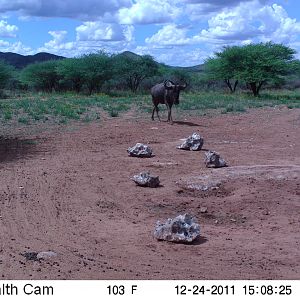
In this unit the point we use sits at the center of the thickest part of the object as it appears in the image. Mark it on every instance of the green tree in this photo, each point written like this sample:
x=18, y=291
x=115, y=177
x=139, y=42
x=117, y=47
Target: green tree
x=95, y=69
x=225, y=66
x=296, y=67
x=71, y=70
x=41, y=76
x=6, y=73
x=254, y=64
x=263, y=63
x=133, y=69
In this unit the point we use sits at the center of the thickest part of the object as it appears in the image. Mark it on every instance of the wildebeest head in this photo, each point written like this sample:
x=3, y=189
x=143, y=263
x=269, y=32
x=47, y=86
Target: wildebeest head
x=173, y=90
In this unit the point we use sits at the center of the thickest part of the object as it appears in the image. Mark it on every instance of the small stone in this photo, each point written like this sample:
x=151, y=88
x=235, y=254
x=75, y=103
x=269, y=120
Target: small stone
x=46, y=255
x=193, y=142
x=146, y=180
x=182, y=229
x=203, y=210
x=214, y=160
x=233, y=220
x=30, y=255
x=140, y=150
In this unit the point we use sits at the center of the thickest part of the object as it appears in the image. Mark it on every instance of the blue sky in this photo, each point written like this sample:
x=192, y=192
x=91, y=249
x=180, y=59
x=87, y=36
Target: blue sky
x=182, y=33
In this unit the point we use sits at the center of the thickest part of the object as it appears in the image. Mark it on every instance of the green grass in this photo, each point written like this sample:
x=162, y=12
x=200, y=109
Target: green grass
x=24, y=120
x=113, y=113
x=7, y=115
x=239, y=102
x=61, y=108
x=230, y=108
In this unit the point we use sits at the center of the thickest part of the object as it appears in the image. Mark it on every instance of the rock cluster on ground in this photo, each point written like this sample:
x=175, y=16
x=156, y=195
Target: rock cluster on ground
x=36, y=256
x=30, y=255
x=146, y=180
x=140, y=150
x=214, y=160
x=193, y=142
x=181, y=229
x=46, y=254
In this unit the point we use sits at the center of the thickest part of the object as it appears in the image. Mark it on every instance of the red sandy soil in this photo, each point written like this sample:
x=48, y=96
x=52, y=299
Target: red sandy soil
x=71, y=193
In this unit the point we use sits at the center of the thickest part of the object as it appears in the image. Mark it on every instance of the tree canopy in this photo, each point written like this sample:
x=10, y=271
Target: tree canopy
x=254, y=64
x=225, y=66
x=70, y=69
x=6, y=73
x=134, y=69
x=262, y=63
x=95, y=69
x=41, y=76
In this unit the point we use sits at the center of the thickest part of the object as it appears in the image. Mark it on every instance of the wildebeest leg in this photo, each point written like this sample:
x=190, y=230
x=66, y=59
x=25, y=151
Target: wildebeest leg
x=168, y=108
x=157, y=113
x=154, y=108
x=170, y=114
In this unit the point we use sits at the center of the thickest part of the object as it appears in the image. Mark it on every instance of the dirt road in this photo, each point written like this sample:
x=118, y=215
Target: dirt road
x=70, y=193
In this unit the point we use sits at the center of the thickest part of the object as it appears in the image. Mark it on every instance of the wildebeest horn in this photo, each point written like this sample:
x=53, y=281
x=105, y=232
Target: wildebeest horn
x=183, y=86
x=168, y=84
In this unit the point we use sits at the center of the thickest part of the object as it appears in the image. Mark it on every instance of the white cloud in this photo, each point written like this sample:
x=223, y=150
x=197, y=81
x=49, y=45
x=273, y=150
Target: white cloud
x=149, y=12
x=231, y=25
x=17, y=47
x=58, y=41
x=58, y=44
x=89, y=39
x=175, y=56
x=99, y=31
x=88, y=9
x=169, y=35
x=277, y=26
x=181, y=57
x=250, y=21
x=129, y=33
x=3, y=44
x=7, y=30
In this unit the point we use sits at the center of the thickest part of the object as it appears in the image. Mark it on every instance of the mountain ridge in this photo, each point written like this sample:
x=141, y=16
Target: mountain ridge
x=20, y=61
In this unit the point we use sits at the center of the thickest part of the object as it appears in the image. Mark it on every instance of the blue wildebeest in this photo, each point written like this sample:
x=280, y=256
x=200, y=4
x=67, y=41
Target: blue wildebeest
x=166, y=93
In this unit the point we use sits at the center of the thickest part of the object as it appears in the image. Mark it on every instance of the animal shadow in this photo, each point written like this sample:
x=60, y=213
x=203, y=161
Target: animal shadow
x=199, y=241
x=186, y=123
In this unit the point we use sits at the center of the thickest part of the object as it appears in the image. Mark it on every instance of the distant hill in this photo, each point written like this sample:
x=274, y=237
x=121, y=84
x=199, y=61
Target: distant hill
x=128, y=54
x=20, y=61
x=197, y=68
